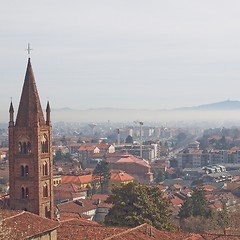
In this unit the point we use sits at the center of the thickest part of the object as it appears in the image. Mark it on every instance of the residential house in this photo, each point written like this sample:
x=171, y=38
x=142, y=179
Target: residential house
x=69, y=192
x=83, y=181
x=106, y=148
x=57, y=179
x=119, y=177
x=86, y=151
x=85, y=208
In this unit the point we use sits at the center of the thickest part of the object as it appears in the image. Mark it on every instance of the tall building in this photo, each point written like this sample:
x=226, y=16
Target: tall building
x=30, y=153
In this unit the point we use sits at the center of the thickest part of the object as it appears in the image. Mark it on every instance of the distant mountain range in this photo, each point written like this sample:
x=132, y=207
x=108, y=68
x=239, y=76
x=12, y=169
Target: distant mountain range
x=219, y=106
x=220, y=111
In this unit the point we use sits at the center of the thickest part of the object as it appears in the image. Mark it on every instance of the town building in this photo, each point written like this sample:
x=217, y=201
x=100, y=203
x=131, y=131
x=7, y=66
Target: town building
x=192, y=158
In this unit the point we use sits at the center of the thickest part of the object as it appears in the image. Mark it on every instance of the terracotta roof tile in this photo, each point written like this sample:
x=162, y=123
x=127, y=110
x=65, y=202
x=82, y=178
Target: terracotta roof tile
x=22, y=225
x=77, y=179
x=78, y=206
x=121, y=176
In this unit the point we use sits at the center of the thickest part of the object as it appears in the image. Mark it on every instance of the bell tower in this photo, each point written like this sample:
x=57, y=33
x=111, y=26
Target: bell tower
x=30, y=153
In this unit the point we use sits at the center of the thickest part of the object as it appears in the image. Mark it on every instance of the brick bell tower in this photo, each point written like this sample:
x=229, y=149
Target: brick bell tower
x=30, y=153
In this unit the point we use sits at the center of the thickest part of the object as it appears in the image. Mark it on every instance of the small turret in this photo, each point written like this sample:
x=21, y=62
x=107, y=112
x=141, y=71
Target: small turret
x=48, y=111
x=11, y=115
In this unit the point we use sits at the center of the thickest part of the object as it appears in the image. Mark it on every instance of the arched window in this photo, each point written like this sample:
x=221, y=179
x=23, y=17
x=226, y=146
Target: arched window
x=22, y=171
x=29, y=147
x=45, y=169
x=24, y=148
x=45, y=190
x=26, y=193
x=20, y=147
x=26, y=170
x=46, y=211
x=23, y=192
x=44, y=144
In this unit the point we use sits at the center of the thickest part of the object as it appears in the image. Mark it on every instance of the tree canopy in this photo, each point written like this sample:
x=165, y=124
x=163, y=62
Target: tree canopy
x=135, y=204
x=102, y=175
x=196, y=205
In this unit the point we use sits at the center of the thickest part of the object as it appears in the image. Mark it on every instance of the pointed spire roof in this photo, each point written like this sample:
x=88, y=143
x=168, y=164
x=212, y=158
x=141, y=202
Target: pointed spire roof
x=11, y=109
x=29, y=110
x=48, y=109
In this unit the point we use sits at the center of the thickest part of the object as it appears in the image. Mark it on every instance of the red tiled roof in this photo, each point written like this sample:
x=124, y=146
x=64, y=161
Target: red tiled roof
x=22, y=225
x=79, y=222
x=132, y=159
x=101, y=197
x=209, y=188
x=75, y=231
x=176, y=201
x=77, y=179
x=78, y=206
x=87, y=148
x=178, y=186
x=103, y=146
x=61, y=195
x=69, y=187
x=121, y=176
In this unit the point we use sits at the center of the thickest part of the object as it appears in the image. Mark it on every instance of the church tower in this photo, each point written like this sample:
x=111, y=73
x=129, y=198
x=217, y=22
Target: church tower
x=30, y=153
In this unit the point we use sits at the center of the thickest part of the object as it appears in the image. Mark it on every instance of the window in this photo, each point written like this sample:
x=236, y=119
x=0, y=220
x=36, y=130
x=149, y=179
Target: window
x=24, y=192
x=24, y=171
x=44, y=144
x=45, y=169
x=29, y=147
x=27, y=193
x=24, y=147
x=45, y=190
x=20, y=147
x=46, y=211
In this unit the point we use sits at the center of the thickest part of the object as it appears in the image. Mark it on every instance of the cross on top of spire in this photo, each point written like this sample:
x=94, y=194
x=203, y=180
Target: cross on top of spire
x=29, y=49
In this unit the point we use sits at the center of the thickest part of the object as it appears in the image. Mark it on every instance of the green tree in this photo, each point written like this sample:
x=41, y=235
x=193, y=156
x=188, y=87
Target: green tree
x=196, y=205
x=135, y=204
x=223, y=217
x=58, y=155
x=102, y=175
x=160, y=176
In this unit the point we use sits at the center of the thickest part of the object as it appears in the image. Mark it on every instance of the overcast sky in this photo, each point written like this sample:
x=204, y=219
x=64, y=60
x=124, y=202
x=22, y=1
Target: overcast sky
x=144, y=54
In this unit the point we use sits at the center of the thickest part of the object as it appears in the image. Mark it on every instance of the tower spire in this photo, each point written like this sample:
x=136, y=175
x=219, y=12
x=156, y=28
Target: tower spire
x=30, y=105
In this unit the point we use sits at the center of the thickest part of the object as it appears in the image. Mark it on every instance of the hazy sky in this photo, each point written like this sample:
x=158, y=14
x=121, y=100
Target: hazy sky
x=122, y=53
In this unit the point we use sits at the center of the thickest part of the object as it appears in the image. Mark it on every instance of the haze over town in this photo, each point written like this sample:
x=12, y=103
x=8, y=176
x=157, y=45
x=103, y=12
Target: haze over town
x=122, y=54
